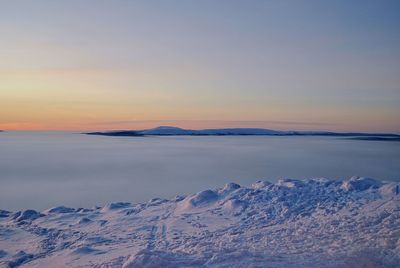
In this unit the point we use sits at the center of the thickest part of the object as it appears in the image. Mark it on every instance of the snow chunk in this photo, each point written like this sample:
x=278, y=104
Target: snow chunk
x=84, y=220
x=260, y=184
x=115, y=206
x=229, y=187
x=360, y=184
x=290, y=183
x=4, y=213
x=84, y=210
x=156, y=201
x=179, y=198
x=29, y=215
x=60, y=209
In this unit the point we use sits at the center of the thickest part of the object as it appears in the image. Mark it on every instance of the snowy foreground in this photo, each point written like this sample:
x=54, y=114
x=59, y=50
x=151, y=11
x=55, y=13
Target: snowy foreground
x=292, y=223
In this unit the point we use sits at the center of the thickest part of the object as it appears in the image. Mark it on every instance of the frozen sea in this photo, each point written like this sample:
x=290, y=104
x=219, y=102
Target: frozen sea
x=44, y=169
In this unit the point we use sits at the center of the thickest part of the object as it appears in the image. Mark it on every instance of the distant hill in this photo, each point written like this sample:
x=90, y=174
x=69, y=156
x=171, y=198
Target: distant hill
x=175, y=131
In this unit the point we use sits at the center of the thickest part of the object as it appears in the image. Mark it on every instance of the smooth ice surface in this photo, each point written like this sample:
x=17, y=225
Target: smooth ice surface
x=290, y=223
x=40, y=170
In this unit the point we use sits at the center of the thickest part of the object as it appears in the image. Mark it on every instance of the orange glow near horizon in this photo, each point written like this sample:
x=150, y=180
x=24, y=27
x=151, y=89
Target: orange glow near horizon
x=64, y=67
x=76, y=101
x=82, y=100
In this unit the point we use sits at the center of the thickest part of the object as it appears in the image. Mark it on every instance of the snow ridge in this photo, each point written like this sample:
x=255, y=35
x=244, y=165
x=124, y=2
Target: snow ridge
x=290, y=223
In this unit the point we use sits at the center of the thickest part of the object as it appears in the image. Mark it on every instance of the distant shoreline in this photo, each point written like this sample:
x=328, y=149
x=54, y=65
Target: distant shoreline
x=376, y=138
x=174, y=131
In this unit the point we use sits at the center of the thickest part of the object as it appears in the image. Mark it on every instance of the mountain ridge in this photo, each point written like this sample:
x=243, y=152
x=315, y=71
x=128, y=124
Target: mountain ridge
x=176, y=131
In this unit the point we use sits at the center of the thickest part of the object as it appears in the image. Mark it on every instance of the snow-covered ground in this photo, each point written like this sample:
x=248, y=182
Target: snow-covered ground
x=292, y=223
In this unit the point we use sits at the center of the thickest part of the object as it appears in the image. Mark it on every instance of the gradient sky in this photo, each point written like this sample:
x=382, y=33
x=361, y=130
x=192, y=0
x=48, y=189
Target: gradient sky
x=80, y=65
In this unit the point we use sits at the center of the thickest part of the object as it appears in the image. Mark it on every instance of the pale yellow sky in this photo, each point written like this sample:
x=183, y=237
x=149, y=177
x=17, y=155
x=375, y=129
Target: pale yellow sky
x=79, y=99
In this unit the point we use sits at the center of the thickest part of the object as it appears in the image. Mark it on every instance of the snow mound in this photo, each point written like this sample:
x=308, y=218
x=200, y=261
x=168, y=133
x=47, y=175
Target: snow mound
x=260, y=184
x=29, y=215
x=234, y=205
x=290, y=183
x=4, y=213
x=360, y=184
x=60, y=209
x=290, y=223
x=228, y=188
x=115, y=206
x=200, y=199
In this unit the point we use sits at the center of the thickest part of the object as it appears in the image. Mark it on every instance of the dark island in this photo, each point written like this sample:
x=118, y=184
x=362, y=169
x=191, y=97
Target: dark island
x=175, y=131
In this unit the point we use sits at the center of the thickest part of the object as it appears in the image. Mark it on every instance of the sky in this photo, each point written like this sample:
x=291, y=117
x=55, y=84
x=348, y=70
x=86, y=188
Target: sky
x=98, y=65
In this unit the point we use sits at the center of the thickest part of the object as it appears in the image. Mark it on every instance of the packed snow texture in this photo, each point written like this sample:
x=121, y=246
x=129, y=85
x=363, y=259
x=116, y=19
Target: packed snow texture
x=292, y=223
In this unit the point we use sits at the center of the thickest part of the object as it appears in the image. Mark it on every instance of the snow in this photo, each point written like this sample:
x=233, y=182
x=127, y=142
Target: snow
x=60, y=209
x=360, y=184
x=27, y=215
x=290, y=223
x=114, y=206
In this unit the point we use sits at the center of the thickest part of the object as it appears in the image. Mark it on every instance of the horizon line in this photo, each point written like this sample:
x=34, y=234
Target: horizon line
x=80, y=131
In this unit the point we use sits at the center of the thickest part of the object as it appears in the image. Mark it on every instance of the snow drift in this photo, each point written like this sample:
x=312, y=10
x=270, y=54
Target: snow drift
x=291, y=223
